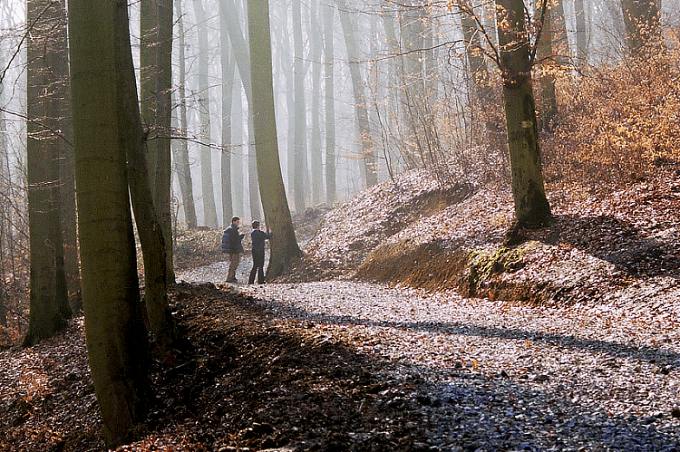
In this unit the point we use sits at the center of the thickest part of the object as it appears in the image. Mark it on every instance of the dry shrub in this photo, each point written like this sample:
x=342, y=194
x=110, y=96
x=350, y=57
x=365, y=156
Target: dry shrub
x=617, y=123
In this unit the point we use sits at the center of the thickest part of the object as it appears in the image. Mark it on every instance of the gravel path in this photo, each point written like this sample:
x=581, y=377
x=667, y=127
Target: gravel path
x=497, y=376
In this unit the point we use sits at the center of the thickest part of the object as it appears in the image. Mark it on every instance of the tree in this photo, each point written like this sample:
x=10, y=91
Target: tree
x=329, y=93
x=531, y=205
x=277, y=213
x=300, y=116
x=545, y=54
x=228, y=67
x=156, y=22
x=360, y=103
x=316, y=43
x=102, y=79
x=48, y=290
x=642, y=20
x=581, y=33
x=181, y=150
x=207, y=187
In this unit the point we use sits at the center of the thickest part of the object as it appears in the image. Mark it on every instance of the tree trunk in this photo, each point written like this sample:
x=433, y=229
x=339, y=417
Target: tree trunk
x=642, y=20
x=581, y=33
x=181, y=154
x=531, y=205
x=63, y=122
x=49, y=307
x=156, y=21
x=360, y=104
x=284, y=247
x=547, y=77
x=329, y=91
x=102, y=85
x=300, y=117
x=316, y=42
x=238, y=181
x=207, y=186
x=228, y=68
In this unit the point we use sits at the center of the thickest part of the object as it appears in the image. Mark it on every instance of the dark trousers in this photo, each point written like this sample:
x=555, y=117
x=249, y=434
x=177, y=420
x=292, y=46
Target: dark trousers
x=258, y=268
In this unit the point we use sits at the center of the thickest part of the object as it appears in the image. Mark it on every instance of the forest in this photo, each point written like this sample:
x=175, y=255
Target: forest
x=328, y=225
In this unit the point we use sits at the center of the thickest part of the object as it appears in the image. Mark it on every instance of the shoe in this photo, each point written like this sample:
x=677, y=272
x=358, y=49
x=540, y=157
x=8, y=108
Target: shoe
x=232, y=281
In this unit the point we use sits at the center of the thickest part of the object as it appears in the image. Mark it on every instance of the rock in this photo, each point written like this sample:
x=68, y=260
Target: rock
x=675, y=412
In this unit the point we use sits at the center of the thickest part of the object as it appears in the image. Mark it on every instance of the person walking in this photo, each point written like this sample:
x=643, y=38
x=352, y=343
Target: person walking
x=232, y=244
x=259, y=239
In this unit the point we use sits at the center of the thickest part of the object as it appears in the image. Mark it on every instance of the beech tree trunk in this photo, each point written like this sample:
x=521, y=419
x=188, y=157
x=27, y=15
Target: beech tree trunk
x=181, y=152
x=329, y=93
x=228, y=67
x=300, y=117
x=581, y=33
x=531, y=205
x=316, y=43
x=360, y=103
x=49, y=307
x=284, y=247
x=207, y=186
x=546, y=58
x=102, y=82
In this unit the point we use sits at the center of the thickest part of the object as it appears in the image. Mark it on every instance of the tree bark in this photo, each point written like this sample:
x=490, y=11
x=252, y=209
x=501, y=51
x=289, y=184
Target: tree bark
x=181, y=153
x=300, y=117
x=49, y=307
x=156, y=22
x=581, y=33
x=360, y=103
x=546, y=58
x=284, y=247
x=316, y=43
x=329, y=92
x=207, y=186
x=228, y=68
x=531, y=205
x=102, y=78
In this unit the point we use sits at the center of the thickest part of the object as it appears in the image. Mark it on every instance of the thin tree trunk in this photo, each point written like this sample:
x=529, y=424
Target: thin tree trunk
x=228, y=68
x=284, y=247
x=581, y=33
x=316, y=43
x=300, y=117
x=182, y=148
x=156, y=22
x=49, y=307
x=207, y=186
x=531, y=205
x=329, y=73
x=360, y=104
x=103, y=89
x=238, y=181
x=546, y=58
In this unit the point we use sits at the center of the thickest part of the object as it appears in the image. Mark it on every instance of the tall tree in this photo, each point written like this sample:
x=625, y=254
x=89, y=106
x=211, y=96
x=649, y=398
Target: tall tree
x=329, y=96
x=300, y=118
x=156, y=23
x=531, y=205
x=228, y=67
x=360, y=102
x=181, y=150
x=277, y=213
x=546, y=57
x=581, y=33
x=102, y=79
x=48, y=290
x=207, y=186
x=316, y=43
x=642, y=19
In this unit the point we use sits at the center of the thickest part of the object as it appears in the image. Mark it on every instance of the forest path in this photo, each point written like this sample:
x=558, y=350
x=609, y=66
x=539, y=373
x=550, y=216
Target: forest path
x=498, y=376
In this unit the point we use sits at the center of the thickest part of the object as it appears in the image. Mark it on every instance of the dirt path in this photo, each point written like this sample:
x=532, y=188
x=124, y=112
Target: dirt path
x=499, y=376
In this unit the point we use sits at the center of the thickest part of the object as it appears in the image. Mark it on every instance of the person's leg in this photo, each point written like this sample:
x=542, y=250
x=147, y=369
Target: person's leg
x=251, y=280
x=233, y=265
x=260, y=275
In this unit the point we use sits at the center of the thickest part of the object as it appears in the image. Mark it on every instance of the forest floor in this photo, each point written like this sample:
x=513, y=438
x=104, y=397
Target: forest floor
x=334, y=362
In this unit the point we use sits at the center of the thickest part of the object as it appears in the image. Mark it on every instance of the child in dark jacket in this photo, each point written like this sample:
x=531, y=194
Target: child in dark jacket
x=259, y=239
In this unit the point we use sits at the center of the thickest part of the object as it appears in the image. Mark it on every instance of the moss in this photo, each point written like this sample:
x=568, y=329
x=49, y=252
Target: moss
x=483, y=264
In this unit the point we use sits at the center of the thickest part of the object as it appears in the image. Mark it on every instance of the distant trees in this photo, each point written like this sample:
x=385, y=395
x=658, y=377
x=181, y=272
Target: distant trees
x=277, y=213
x=48, y=290
x=103, y=87
x=329, y=93
x=531, y=205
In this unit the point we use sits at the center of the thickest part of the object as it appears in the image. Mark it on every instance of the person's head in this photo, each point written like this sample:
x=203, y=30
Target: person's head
x=256, y=225
x=236, y=221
